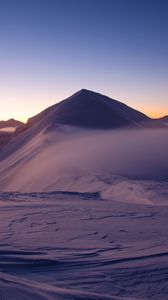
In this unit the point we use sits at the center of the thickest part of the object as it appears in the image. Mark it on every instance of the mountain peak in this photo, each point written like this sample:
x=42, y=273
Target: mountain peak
x=90, y=109
x=83, y=92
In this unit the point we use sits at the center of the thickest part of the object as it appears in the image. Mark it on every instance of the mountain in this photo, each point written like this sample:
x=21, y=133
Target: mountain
x=68, y=147
x=84, y=109
x=88, y=109
x=10, y=123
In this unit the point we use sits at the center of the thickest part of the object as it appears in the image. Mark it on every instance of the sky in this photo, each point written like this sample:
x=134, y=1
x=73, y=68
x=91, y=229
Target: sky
x=49, y=49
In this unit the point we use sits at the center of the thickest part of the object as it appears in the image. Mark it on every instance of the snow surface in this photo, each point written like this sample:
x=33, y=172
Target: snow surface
x=79, y=246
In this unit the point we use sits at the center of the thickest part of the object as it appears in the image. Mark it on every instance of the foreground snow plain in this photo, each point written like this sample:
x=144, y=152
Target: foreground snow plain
x=69, y=245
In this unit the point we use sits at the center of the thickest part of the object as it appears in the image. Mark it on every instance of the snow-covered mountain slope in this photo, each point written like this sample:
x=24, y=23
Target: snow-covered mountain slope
x=75, y=159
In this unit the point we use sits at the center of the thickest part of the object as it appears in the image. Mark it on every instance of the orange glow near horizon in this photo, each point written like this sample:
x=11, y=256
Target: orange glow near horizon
x=152, y=114
x=155, y=115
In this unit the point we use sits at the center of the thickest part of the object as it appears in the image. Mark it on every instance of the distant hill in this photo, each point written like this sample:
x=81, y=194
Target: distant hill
x=8, y=129
x=11, y=123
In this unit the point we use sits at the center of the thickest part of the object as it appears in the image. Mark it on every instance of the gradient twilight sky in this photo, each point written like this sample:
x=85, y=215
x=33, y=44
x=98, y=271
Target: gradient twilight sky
x=49, y=49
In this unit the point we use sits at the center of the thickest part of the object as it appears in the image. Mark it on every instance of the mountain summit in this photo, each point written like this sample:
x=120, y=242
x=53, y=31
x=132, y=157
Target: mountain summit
x=91, y=110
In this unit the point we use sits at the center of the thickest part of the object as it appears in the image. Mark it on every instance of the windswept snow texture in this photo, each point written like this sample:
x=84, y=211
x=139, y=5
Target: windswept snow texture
x=68, y=246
